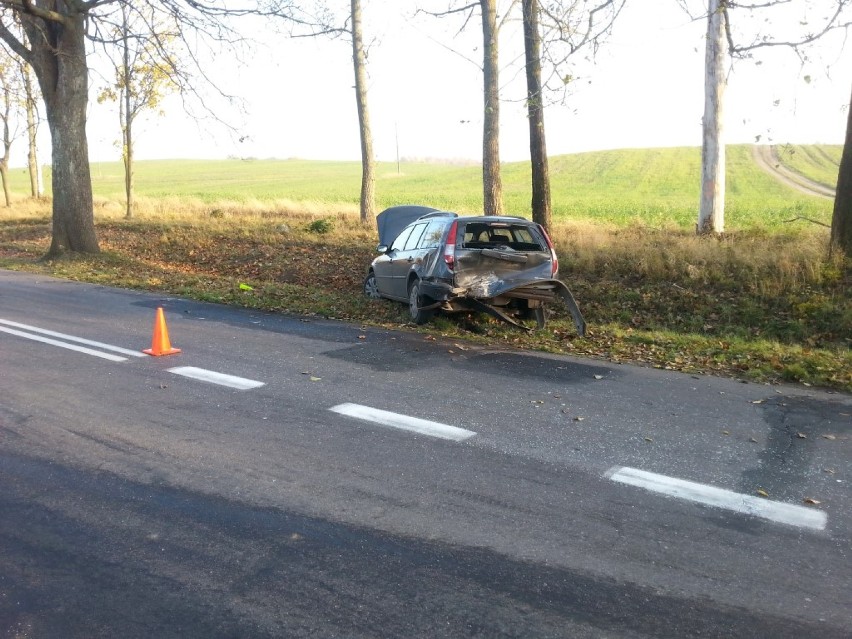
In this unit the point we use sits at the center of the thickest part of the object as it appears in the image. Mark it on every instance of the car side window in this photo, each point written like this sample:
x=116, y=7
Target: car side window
x=432, y=236
x=414, y=238
x=400, y=240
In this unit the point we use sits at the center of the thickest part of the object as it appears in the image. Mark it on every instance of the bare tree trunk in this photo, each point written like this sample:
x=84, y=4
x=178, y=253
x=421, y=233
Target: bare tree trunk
x=127, y=156
x=711, y=213
x=59, y=62
x=841, y=219
x=492, y=185
x=368, y=178
x=36, y=185
x=541, y=206
x=4, y=175
x=7, y=142
x=126, y=114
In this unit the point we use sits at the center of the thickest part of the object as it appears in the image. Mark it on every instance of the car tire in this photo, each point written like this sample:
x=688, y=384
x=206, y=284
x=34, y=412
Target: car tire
x=415, y=302
x=371, y=287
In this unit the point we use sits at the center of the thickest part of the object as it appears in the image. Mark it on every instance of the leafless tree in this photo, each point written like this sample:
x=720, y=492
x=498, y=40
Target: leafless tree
x=55, y=46
x=492, y=182
x=9, y=103
x=569, y=27
x=322, y=20
x=736, y=30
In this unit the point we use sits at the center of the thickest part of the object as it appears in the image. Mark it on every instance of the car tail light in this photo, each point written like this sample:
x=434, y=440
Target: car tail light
x=450, y=247
x=554, y=261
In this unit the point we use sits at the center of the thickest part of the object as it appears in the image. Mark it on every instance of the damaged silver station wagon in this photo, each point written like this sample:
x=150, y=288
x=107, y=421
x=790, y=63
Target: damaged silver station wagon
x=437, y=260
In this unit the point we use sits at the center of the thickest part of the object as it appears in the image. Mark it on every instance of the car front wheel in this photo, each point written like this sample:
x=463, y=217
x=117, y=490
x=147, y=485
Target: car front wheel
x=371, y=287
x=415, y=302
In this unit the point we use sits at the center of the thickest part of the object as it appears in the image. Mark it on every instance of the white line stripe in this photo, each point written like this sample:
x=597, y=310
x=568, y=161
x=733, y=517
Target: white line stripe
x=240, y=383
x=403, y=422
x=711, y=496
x=71, y=338
x=70, y=347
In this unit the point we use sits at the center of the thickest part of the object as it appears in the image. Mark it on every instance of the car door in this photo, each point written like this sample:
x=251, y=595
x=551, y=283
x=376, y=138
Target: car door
x=386, y=266
x=403, y=258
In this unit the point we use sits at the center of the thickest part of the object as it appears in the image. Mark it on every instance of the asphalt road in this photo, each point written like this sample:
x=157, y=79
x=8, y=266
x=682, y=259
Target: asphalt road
x=138, y=501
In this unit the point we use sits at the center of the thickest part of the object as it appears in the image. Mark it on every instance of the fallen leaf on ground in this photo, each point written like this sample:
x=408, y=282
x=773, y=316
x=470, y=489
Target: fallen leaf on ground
x=762, y=492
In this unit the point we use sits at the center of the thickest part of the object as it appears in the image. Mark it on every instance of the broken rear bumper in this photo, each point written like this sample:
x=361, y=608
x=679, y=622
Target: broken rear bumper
x=538, y=291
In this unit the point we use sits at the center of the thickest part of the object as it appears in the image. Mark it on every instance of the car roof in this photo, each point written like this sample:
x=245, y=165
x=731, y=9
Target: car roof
x=391, y=221
x=494, y=218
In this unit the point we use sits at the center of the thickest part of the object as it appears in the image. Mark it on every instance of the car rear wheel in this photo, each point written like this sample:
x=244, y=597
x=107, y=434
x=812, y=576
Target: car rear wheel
x=371, y=287
x=415, y=302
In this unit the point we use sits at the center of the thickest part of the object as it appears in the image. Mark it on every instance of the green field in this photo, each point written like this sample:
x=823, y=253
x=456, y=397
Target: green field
x=765, y=301
x=653, y=187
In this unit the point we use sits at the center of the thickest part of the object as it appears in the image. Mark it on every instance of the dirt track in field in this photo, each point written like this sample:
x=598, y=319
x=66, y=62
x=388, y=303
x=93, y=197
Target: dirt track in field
x=767, y=158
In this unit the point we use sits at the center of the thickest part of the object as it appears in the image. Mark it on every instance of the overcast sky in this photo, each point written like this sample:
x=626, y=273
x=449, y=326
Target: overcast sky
x=644, y=90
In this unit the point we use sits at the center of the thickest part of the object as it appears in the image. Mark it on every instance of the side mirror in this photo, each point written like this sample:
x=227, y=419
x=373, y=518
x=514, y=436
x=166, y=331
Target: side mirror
x=381, y=248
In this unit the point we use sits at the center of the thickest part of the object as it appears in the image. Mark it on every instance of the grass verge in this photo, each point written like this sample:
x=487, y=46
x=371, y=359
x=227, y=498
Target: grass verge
x=756, y=305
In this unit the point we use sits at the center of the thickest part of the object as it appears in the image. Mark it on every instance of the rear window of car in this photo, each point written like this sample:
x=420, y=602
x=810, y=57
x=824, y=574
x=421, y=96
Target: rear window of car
x=518, y=237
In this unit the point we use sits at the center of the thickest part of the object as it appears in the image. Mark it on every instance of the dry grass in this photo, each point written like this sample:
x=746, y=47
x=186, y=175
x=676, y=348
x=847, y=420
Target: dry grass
x=755, y=303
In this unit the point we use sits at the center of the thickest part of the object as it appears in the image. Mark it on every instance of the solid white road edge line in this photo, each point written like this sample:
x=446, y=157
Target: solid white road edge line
x=71, y=338
x=711, y=496
x=70, y=347
x=403, y=422
x=240, y=383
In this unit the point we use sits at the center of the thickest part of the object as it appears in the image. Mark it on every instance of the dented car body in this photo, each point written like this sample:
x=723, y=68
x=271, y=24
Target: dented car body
x=436, y=260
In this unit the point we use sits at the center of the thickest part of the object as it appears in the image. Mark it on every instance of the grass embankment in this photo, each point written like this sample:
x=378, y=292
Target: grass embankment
x=762, y=303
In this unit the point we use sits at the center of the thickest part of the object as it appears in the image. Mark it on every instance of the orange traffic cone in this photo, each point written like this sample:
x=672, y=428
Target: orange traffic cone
x=160, y=345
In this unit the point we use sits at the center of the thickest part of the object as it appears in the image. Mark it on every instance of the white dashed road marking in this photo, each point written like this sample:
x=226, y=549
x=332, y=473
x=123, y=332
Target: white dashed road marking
x=70, y=347
x=403, y=422
x=68, y=338
x=232, y=381
x=776, y=511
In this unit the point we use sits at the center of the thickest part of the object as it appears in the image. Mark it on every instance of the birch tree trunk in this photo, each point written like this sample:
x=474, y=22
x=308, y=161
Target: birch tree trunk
x=492, y=184
x=541, y=203
x=841, y=219
x=368, y=178
x=711, y=213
